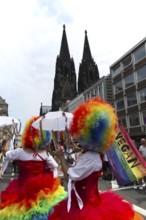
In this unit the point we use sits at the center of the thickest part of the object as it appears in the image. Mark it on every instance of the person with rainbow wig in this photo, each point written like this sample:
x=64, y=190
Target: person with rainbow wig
x=94, y=125
x=36, y=190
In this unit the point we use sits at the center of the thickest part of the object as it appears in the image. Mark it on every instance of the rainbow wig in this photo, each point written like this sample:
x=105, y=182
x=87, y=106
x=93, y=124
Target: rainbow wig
x=33, y=138
x=94, y=123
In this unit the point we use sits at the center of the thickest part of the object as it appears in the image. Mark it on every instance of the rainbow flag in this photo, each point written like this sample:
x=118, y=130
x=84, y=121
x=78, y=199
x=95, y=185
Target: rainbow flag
x=126, y=161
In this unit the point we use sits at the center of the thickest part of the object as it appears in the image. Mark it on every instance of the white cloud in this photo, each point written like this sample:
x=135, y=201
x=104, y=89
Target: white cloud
x=31, y=32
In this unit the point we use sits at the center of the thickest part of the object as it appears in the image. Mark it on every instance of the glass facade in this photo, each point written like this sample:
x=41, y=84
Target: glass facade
x=118, y=87
x=100, y=91
x=116, y=70
x=120, y=104
x=134, y=120
x=129, y=80
x=139, y=53
x=141, y=73
x=129, y=89
x=144, y=117
x=127, y=61
x=142, y=94
x=131, y=99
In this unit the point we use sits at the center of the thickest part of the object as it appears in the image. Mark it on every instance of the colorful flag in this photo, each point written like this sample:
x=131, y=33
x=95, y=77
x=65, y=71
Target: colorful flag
x=126, y=161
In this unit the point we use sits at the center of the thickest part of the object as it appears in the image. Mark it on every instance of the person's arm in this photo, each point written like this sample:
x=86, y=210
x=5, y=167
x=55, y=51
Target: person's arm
x=10, y=155
x=65, y=167
x=60, y=154
x=87, y=164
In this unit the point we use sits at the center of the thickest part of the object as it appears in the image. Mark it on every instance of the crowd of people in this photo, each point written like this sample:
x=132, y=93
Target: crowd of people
x=38, y=193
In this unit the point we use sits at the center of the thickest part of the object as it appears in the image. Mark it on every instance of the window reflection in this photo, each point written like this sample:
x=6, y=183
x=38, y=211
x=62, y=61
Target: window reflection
x=139, y=53
x=120, y=104
x=141, y=73
x=127, y=61
x=142, y=93
x=131, y=99
x=116, y=70
x=134, y=119
x=118, y=87
x=144, y=117
x=129, y=80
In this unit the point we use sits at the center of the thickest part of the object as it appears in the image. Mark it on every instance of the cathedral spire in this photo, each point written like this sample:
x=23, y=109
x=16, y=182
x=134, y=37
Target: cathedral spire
x=88, y=70
x=64, y=51
x=86, y=50
x=65, y=76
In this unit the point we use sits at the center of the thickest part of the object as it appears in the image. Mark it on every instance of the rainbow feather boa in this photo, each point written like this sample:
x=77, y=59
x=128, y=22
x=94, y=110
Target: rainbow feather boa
x=95, y=123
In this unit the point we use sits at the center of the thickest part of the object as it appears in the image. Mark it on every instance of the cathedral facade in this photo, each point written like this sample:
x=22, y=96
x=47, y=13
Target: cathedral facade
x=65, y=82
x=65, y=76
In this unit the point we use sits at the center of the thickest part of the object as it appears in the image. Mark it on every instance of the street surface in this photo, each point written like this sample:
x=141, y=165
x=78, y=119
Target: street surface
x=137, y=197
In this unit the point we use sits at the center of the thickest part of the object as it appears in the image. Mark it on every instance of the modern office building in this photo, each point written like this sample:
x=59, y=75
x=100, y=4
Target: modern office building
x=101, y=88
x=129, y=89
x=71, y=105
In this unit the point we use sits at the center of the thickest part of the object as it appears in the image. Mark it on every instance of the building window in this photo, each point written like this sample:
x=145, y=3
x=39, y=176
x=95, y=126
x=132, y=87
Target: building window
x=122, y=121
x=127, y=61
x=116, y=70
x=120, y=104
x=118, y=87
x=139, y=53
x=93, y=93
x=144, y=118
x=96, y=92
x=100, y=91
x=129, y=80
x=142, y=94
x=141, y=73
x=134, y=120
x=131, y=99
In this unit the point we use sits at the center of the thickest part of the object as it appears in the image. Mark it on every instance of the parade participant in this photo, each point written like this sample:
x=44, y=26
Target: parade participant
x=94, y=126
x=142, y=150
x=36, y=190
x=5, y=148
x=1, y=163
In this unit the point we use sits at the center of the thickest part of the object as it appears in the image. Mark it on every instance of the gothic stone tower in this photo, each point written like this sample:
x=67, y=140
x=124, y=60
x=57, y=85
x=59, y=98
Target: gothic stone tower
x=88, y=70
x=65, y=76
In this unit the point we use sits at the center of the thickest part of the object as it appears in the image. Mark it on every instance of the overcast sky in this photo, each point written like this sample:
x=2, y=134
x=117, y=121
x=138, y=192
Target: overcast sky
x=30, y=39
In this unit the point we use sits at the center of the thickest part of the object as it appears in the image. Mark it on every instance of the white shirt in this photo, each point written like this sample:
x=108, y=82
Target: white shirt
x=87, y=163
x=142, y=149
x=21, y=154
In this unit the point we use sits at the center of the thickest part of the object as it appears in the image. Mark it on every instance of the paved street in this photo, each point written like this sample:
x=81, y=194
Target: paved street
x=137, y=197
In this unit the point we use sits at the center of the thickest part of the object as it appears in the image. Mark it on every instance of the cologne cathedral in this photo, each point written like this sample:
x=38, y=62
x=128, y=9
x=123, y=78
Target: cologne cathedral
x=65, y=75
